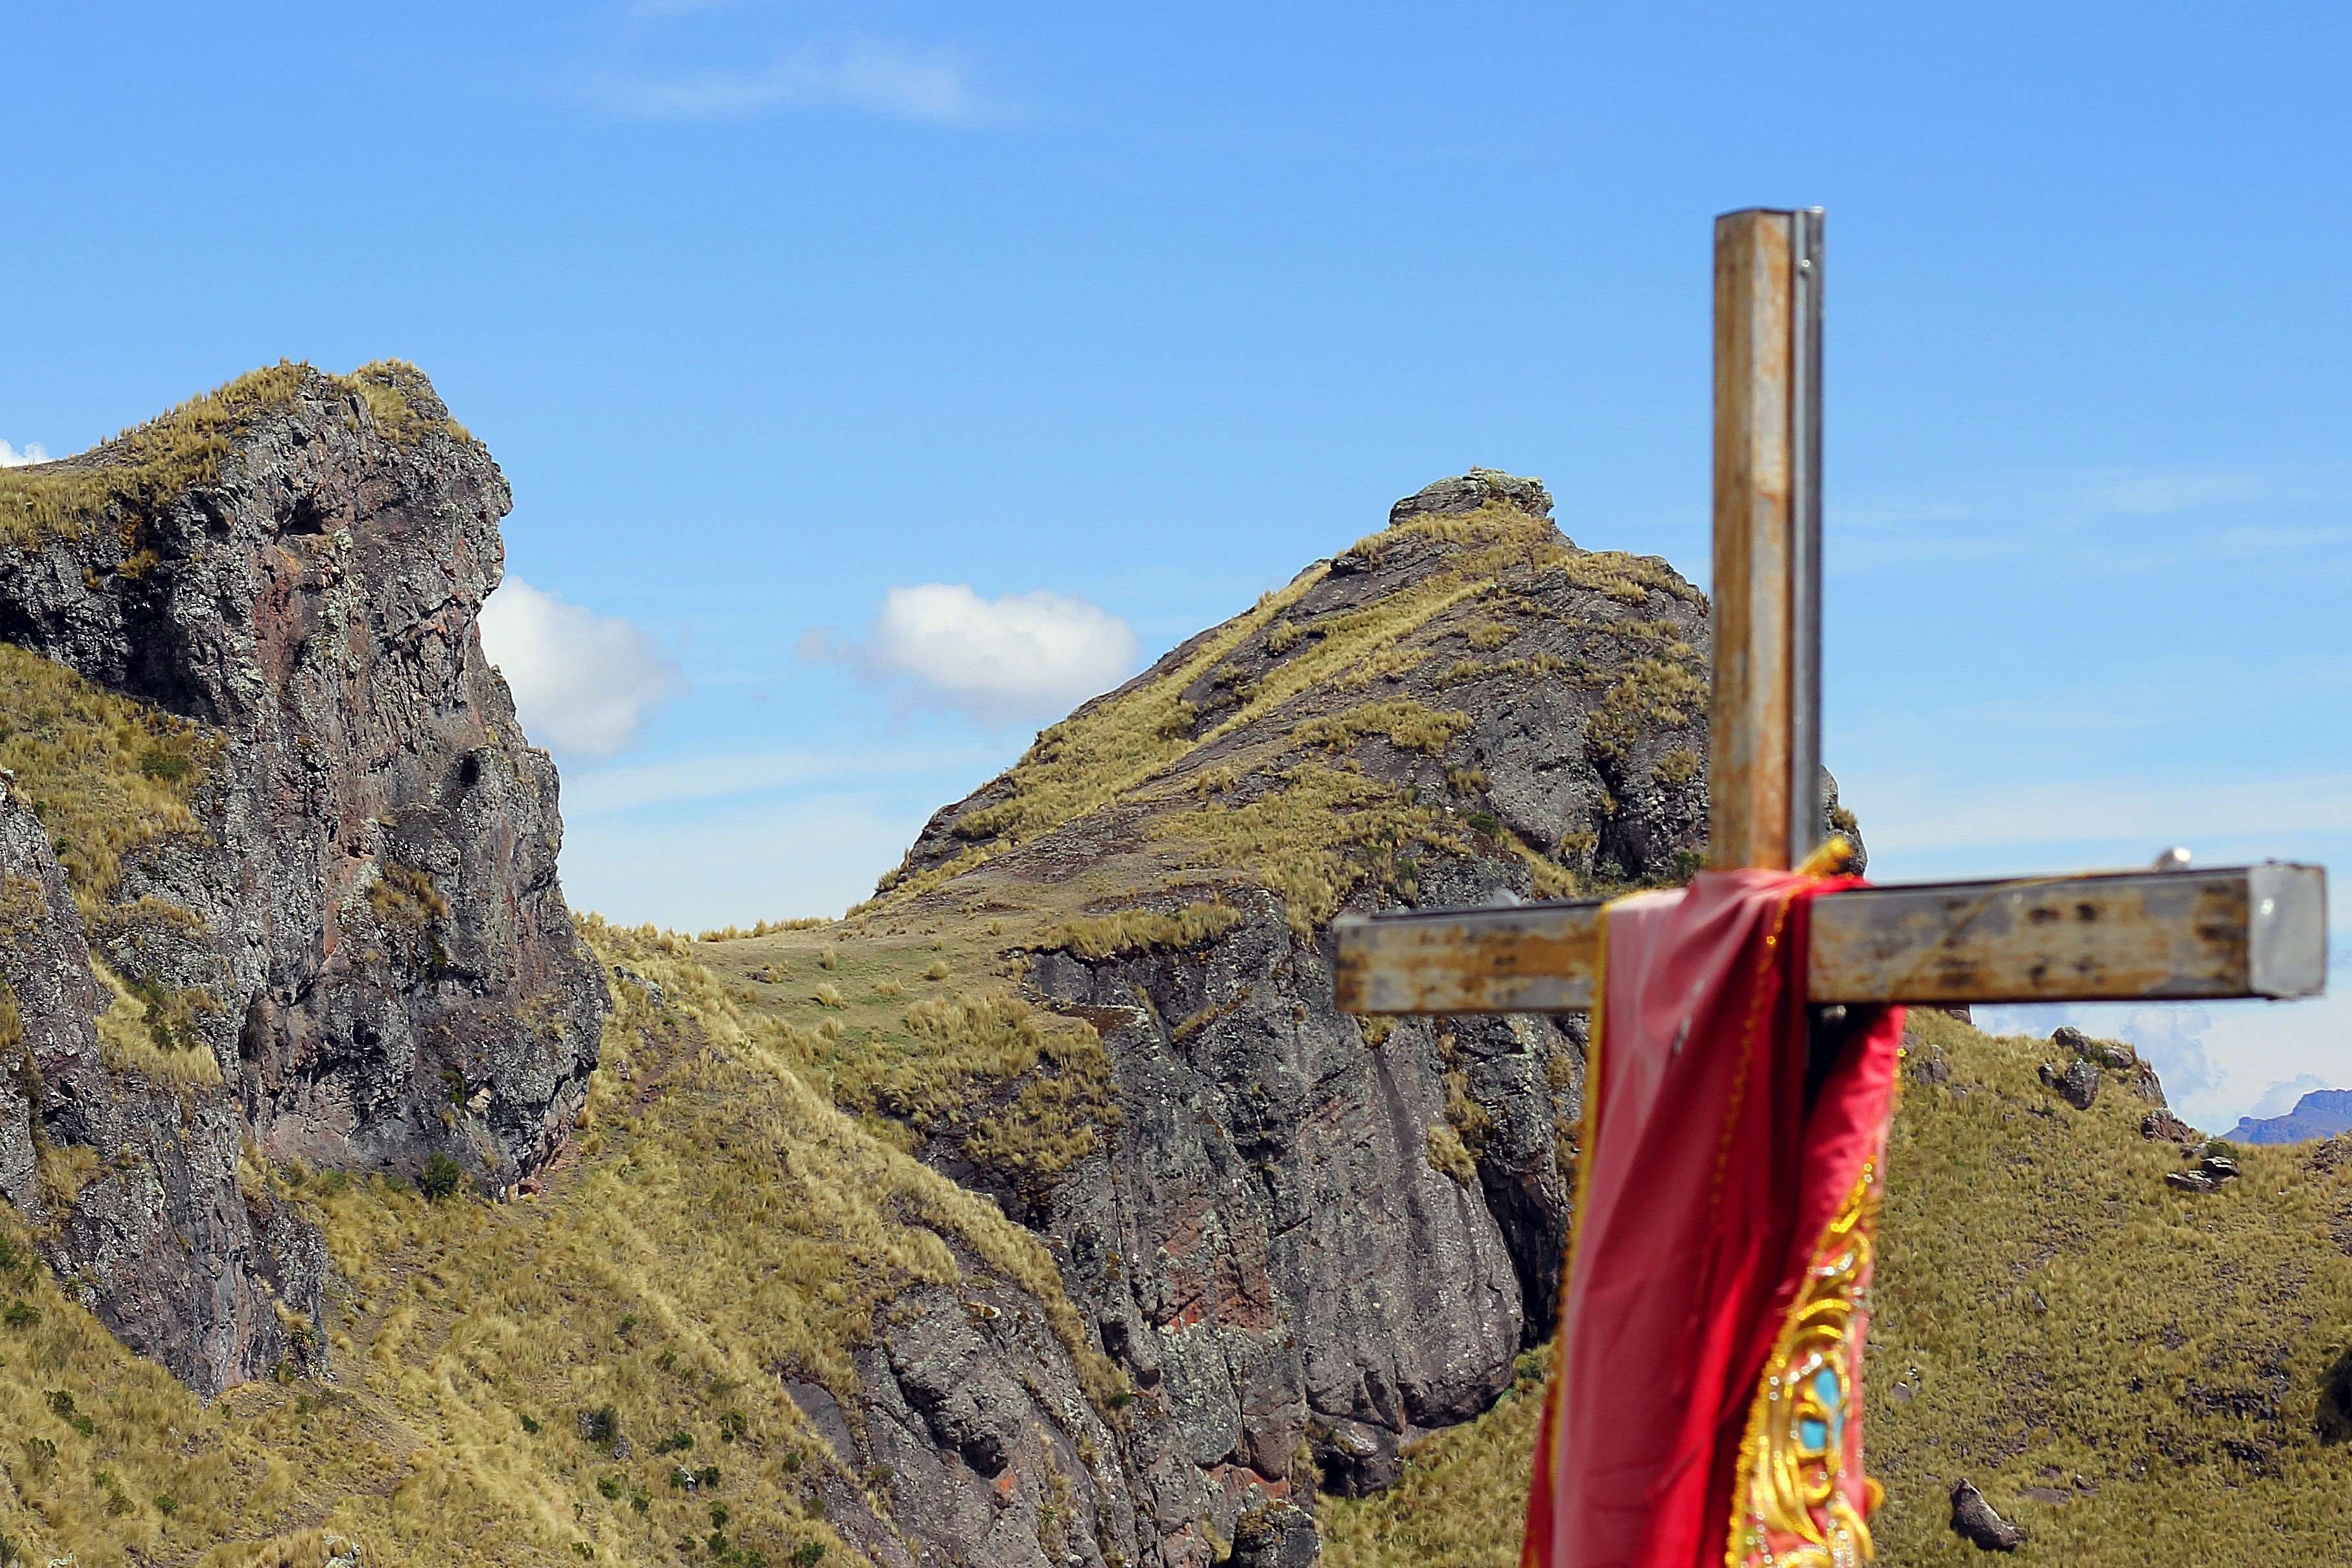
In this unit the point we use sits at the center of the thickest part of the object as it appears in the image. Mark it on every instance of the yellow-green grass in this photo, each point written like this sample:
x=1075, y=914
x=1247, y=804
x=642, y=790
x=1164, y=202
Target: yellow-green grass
x=1463, y=1496
x=718, y=1224
x=922, y=1035
x=2051, y=1310
x=1238, y=763
x=1131, y=744
x=142, y=470
x=151, y=1029
x=1139, y=930
x=105, y=774
x=762, y=928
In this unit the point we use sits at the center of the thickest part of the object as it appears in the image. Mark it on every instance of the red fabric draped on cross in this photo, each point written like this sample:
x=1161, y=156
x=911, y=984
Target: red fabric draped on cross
x=1706, y=1405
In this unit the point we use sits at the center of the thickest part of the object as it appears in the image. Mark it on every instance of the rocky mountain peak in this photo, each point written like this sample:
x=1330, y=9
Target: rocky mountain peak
x=310, y=856
x=1469, y=492
x=1303, y=1235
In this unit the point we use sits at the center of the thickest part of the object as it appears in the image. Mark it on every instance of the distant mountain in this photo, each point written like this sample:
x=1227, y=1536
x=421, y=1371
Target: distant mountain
x=2322, y=1114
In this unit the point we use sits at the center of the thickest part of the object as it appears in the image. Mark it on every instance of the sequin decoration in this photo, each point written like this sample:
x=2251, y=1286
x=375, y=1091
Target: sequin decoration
x=1795, y=1509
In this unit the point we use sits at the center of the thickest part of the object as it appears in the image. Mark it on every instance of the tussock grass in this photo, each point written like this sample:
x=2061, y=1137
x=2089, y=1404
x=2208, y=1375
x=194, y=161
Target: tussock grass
x=1464, y=1494
x=1407, y=725
x=106, y=775
x=1325, y=831
x=1100, y=752
x=945, y=1071
x=927, y=1044
x=1655, y=693
x=1629, y=579
x=1447, y=1154
x=1678, y=767
x=718, y=1222
x=762, y=928
x=141, y=471
x=151, y=1030
x=1139, y=930
x=2047, y=1312
x=123, y=1429
x=1118, y=745
x=405, y=897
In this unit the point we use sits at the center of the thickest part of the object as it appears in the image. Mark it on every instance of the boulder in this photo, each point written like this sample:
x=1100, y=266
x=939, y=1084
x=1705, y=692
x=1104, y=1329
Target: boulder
x=2114, y=1054
x=2077, y=1083
x=1974, y=1521
x=1276, y=1535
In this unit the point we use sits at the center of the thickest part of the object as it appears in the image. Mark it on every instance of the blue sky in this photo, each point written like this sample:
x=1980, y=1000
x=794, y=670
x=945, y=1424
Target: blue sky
x=1080, y=325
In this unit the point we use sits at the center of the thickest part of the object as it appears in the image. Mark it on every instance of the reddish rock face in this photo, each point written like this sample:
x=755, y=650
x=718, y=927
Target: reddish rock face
x=370, y=907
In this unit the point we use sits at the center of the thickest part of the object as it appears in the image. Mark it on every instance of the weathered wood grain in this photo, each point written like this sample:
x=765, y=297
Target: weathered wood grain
x=1529, y=959
x=1749, y=760
x=2243, y=931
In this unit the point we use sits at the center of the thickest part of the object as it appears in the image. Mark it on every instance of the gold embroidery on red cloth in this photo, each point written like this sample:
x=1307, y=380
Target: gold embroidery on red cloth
x=1791, y=1507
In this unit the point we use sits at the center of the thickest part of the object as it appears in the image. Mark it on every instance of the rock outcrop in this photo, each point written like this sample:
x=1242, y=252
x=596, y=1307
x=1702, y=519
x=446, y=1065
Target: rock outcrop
x=1974, y=1521
x=1311, y=1236
x=313, y=861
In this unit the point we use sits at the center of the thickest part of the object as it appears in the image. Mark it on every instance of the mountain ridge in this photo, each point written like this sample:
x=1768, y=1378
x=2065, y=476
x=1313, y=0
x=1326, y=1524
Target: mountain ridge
x=2321, y=1114
x=1042, y=1213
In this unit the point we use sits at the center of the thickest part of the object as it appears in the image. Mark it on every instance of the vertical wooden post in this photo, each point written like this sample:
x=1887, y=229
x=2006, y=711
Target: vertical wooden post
x=1764, y=730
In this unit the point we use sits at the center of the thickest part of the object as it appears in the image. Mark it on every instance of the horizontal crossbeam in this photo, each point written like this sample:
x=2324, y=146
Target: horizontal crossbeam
x=2242, y=931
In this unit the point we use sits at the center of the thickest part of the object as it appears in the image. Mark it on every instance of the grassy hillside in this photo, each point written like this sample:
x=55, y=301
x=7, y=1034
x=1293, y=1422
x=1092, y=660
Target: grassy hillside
x=2134, y=1372
x=2152, y=1365
x=1241, y=755
x=718, y=1223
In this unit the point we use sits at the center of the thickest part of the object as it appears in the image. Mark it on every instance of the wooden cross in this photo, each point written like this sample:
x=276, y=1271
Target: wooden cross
x=2171, y=934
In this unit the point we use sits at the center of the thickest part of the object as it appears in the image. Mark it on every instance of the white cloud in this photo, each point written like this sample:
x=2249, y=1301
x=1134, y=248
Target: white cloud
x=593, y=792
x=930, y=84
x=1022, y=656
x=13, y=457
x=582, y=683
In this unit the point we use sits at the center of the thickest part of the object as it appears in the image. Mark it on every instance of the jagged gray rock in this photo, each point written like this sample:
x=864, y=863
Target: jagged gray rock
x=1469, y=492
x=2077, y=1083
x=2113, y=1053
x=368, y=907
